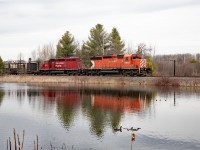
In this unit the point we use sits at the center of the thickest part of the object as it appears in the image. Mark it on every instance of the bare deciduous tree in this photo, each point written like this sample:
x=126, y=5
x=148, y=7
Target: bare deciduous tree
x=47, y=51
x=186, y=65
x=20, y=57
x=143, y=50
x=130, y=49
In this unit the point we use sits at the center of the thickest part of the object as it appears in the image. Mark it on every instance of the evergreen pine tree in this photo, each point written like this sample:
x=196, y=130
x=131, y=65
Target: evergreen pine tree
x=1, y=65
x=66, y=46
x=117, y=44
x=98, y=41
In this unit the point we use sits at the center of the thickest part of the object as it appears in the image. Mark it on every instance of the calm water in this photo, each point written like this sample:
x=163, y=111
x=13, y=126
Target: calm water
x=84, y=118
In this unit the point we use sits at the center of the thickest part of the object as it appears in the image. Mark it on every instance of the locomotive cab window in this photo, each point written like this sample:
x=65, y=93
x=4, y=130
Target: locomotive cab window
x=96, y=58
x=134, y=57
x=71, y=59
x=120, y=56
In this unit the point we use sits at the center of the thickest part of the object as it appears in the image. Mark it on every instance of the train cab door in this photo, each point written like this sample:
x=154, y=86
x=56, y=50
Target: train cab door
x=79, y=63
x=52, y=64
x=136, y=61
x=127, y=60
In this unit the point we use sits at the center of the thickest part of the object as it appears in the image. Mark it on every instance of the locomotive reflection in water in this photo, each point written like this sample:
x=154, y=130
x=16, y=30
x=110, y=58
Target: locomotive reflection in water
x=101, y=107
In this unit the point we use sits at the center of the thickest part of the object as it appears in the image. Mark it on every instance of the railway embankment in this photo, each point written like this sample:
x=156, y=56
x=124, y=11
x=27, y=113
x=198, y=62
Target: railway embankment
x=104, y=80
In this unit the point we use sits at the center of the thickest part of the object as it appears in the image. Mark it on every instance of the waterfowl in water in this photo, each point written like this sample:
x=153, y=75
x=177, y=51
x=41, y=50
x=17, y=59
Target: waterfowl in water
x=134, y=129
x=116, y=129
x=126, y=129
x=132, y=136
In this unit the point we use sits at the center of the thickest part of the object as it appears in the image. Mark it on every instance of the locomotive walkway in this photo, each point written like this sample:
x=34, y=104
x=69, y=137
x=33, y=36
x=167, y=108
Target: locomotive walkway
x=105, y=80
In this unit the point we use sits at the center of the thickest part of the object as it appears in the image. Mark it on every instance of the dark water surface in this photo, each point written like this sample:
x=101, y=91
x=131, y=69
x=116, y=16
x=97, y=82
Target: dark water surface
x=76, y=117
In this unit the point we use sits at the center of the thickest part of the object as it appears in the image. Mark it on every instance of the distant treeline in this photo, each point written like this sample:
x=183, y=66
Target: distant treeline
x=185, y=65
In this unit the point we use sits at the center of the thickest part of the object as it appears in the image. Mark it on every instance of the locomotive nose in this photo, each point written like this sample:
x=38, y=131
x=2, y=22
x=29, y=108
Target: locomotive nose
x=143, y=63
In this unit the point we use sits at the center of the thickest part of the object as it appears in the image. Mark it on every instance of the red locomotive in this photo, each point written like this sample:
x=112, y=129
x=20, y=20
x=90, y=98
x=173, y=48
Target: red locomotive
x=123, y=64
x=69, y=65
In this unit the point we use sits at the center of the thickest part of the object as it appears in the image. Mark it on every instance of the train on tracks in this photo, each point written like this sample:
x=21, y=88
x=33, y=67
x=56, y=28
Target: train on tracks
x=21, y=67
x=123, y=64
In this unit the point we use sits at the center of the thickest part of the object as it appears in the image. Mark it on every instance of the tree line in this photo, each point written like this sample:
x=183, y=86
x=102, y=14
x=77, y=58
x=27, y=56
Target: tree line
x=99, y=42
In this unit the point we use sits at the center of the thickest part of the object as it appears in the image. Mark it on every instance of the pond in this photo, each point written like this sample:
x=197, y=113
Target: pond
x=85, y=117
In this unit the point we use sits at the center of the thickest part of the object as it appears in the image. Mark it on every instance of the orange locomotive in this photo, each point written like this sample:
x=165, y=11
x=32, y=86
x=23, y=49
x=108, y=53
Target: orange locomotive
x=124, y=64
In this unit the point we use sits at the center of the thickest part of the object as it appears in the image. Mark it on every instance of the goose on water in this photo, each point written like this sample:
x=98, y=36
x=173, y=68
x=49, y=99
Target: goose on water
x=116, y=129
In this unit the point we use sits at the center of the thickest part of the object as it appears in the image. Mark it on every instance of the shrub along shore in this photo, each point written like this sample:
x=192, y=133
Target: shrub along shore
x=104, y=80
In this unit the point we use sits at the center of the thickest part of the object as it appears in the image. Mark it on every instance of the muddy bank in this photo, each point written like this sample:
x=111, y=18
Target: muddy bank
x=104, y=80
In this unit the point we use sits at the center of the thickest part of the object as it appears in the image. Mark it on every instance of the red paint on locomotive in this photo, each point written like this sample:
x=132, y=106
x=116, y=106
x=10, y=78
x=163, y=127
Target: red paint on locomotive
x=45, y=65
x=62, y=63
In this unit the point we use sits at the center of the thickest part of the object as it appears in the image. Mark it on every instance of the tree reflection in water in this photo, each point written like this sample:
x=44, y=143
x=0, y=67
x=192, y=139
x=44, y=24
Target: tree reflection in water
x=91, y=114
x=1, y=96
x=97, y=117
x=100, y=107
x=67, y=102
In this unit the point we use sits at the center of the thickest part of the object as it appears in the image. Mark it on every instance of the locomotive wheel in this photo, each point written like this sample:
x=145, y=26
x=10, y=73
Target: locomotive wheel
x=131, y=73
x=93, y=73
x=98, y=73
x=124, y=73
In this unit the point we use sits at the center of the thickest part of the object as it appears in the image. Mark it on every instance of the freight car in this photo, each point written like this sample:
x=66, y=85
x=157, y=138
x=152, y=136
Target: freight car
x=126, y=65
x=21, y=67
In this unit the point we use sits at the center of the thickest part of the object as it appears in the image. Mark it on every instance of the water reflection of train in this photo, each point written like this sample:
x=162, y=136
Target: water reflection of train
x=66, y=97
x=115, y=103
x=105, y=99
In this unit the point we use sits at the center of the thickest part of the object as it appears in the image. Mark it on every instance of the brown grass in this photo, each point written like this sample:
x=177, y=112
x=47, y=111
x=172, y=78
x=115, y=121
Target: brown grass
x=166, y=81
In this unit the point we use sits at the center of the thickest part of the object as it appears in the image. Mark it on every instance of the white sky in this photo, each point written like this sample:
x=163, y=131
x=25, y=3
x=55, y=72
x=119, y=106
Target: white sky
x=171, y=26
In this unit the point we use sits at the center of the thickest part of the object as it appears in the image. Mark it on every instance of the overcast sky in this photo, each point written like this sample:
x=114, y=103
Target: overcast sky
x=171, y=26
